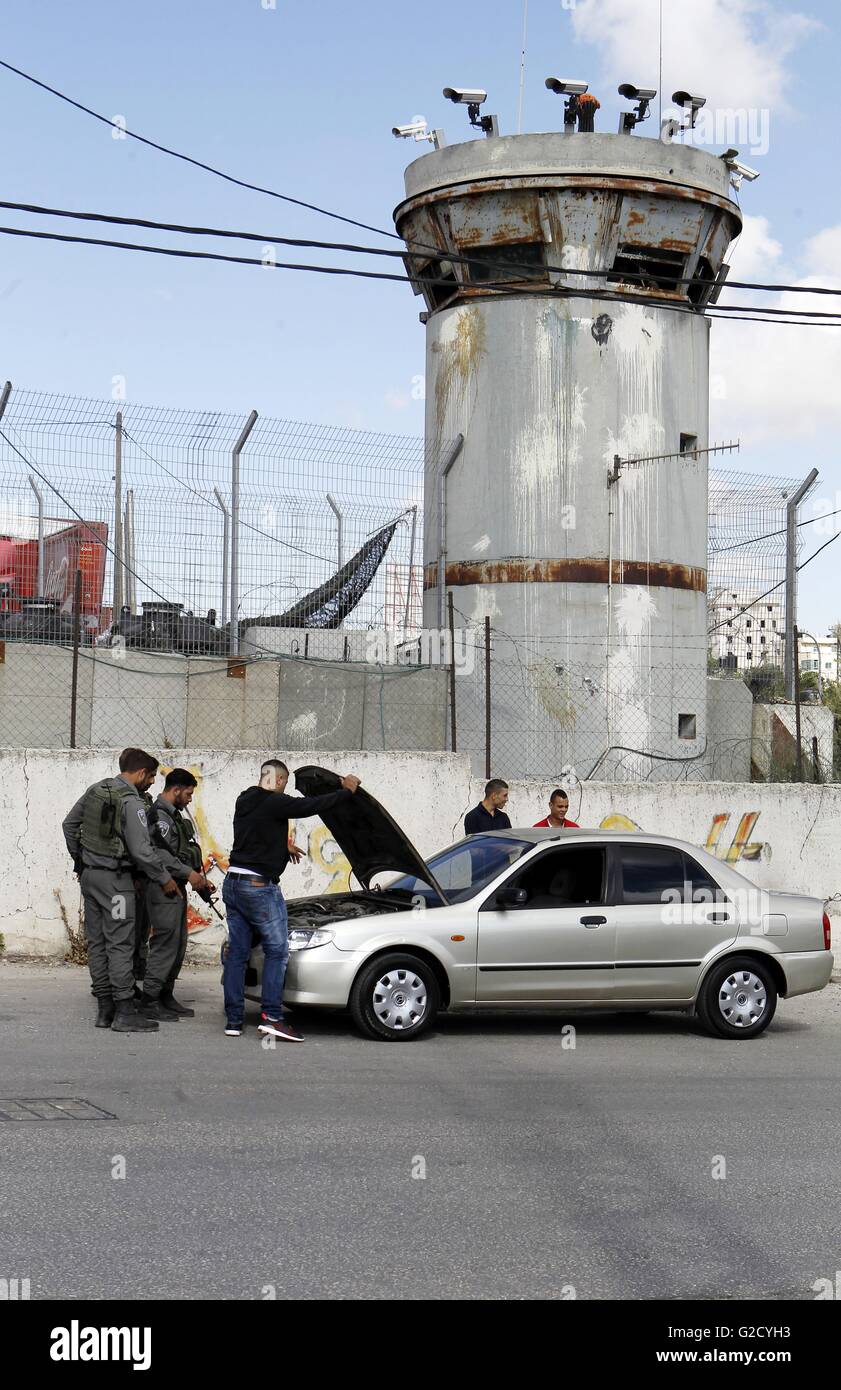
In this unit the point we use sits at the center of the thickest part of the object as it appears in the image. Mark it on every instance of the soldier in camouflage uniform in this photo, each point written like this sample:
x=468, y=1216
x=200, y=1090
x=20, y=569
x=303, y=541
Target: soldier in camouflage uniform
x=174, y=839
x=108, y=839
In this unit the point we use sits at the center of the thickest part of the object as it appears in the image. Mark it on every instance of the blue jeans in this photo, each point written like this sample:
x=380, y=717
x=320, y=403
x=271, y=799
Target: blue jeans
x=251, y=912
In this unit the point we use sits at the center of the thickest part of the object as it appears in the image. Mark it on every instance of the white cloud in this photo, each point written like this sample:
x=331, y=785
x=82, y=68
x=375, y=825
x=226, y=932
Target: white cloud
x=780, y=382
x=734, y=51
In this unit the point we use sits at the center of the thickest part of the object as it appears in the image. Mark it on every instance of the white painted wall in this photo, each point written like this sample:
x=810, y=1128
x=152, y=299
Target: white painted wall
x=791, y=835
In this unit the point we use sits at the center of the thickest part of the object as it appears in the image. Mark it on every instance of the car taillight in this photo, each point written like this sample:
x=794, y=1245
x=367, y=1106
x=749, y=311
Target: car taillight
x=827, y=932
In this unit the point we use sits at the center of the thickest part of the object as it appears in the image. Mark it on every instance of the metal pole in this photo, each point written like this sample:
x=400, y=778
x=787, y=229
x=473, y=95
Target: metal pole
x=411, y=567
x=226, y=541
x=453, y=454
x=791, y=578
x=4, y=398
x=452, y=672
x=39, y=582
x=816, y=762
x=118, y=598
x=129, y=547
x=487, y=699
x=340, y=548
x=77, y=634
x=233, y=645
x=799, y=751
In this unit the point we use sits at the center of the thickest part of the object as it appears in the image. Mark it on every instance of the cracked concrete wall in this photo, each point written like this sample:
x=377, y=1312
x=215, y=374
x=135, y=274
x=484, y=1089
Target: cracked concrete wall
x=781, y=837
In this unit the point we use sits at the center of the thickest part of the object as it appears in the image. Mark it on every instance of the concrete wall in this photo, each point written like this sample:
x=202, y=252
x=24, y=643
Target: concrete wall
x=779, y=837
x=161, y=700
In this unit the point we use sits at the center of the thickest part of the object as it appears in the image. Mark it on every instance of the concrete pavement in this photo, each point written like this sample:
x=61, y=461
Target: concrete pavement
x=298, y=1171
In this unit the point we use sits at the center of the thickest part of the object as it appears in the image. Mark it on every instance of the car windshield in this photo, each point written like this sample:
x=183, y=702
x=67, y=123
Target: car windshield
x=463, y=869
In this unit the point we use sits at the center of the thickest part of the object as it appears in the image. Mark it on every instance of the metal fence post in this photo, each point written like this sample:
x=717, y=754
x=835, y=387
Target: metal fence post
x=39, y=582
x=226, y=542
x=77, y=635
x=233, y=643
x=791, y=579
x=117, y=600
x=799, y=750
x=487, y=699
x=452, y=672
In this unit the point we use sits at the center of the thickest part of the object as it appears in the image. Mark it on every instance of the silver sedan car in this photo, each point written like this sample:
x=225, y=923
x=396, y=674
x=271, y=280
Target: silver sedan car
x=543, y=919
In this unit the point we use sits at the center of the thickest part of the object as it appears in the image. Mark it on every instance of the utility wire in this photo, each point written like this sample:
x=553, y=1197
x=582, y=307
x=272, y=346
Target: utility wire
x=355, y=249
x=492, y=288
x=188, y=159
x=246, y=524
x=98, y=538
x=778, y=585
x=297, y=202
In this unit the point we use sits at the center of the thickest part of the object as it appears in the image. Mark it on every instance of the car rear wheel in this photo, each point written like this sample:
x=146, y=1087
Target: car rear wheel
x=738, y=998
x=395, y=998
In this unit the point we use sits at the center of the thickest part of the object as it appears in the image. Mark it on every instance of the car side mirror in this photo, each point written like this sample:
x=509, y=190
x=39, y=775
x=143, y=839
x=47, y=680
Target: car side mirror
x=512, y=897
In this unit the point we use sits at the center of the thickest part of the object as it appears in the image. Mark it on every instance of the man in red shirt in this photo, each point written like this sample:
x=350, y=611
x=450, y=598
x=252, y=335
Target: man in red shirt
x=556, y=819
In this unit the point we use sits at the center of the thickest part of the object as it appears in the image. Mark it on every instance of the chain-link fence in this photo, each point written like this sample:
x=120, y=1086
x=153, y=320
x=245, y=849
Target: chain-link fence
x=149, y=504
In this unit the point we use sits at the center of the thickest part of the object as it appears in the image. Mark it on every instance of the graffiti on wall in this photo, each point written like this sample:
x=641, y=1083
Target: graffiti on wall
x=741, y=846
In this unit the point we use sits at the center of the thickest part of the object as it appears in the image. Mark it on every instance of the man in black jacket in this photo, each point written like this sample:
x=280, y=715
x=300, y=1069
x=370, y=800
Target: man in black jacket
x=252, y=895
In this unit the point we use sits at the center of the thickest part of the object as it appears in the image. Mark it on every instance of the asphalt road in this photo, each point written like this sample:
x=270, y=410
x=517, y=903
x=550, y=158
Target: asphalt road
x=290, y=1171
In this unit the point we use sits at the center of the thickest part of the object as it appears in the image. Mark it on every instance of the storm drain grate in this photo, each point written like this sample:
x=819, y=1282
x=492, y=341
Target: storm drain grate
x=52, y=1108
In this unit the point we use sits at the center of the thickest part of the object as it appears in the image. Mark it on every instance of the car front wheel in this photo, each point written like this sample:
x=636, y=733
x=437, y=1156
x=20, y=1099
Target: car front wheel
x=738, y=998
x=395, y=998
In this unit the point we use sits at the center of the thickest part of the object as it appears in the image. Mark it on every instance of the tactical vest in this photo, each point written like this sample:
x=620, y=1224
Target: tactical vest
x=102, y=818
x=187, y=849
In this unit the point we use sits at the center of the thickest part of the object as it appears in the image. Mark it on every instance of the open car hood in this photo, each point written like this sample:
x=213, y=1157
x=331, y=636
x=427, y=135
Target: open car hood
x=365, y=832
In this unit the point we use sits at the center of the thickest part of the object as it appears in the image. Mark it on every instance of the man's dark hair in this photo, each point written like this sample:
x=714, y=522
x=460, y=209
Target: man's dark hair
x=272, y=762
x=559, y=791
x=179, y=777
x=496, y=784
x=135, y=760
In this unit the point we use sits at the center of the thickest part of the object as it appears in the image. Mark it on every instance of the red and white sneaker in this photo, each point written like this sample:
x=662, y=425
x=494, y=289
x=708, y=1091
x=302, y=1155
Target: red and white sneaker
x=278, y=1028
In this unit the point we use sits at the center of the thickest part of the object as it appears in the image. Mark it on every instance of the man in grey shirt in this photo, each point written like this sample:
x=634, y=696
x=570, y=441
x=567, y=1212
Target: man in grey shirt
x=108, y=839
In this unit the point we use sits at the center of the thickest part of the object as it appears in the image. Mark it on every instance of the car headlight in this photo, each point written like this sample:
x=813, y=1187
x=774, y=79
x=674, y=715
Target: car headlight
x=305, y=938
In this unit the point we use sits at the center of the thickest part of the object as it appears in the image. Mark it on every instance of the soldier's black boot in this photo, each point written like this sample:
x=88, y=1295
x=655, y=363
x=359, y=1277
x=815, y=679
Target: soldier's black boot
x=104, y=1011
x=129, y=1019
x=156, y=1009
x=169, y=1001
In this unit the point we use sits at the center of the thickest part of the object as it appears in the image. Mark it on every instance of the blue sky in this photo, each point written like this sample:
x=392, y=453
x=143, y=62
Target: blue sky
x=302, y=97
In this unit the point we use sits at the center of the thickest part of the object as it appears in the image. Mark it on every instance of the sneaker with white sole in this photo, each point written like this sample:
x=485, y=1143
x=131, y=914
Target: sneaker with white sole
x=233, y=1030
x=278, y=1028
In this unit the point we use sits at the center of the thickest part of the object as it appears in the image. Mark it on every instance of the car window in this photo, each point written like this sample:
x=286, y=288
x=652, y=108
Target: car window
x=651, y=874
x=700, y=885
x=561, y=878
x=464, y=868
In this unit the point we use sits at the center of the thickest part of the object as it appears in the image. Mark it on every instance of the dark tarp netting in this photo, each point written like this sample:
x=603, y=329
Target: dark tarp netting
x=329, y=604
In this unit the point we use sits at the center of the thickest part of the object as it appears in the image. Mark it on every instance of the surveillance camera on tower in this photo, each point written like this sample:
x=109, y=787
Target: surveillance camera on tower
x=466, y=96
x=473, y=98
x=642, y=96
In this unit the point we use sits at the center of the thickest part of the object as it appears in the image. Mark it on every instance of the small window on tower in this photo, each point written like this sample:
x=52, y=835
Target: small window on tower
x=686, y=726
x=688, y=443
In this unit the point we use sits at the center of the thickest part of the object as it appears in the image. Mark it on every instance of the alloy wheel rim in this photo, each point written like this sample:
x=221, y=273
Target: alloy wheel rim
x=399, y=999
x=742, y=999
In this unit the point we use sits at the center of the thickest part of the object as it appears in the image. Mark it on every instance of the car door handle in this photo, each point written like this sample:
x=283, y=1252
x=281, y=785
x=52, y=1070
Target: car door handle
x=719, y=917
x=592, y=921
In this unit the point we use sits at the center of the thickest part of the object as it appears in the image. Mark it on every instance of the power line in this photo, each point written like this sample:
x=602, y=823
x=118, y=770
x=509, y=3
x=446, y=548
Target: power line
x=753, y=602
x=97, y=537
x=493, y=289
x=247, y=524
x=769, y=535
x=188, y=159
x=355, y=249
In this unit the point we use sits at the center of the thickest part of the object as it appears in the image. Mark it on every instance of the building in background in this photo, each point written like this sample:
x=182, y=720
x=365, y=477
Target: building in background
x=749, y=630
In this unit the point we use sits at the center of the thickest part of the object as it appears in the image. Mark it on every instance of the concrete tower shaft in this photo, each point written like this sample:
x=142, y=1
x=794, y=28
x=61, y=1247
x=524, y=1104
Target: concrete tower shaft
x=604, y=583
